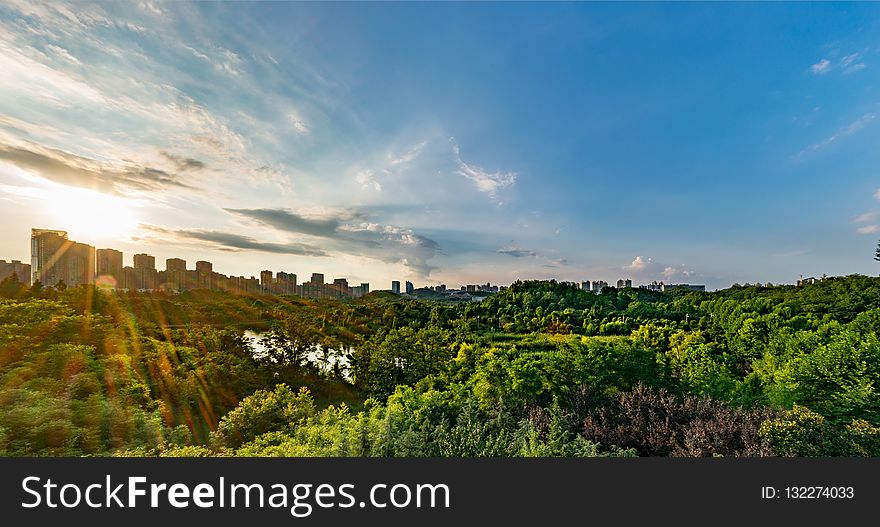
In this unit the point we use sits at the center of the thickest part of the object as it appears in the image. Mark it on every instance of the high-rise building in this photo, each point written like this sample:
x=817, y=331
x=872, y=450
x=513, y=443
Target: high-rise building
x=409, y=287
x=395, y=287
x=109, y=266
x=204, y=275
x=317, y=279
x=267, y=283
x=55, y=259
x=21, y=270
x=143, y=276
x=144, y=261
x=175, y=264
x=175, y=274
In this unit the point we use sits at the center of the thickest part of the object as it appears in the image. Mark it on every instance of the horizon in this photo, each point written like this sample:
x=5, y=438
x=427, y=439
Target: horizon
x=668, y=142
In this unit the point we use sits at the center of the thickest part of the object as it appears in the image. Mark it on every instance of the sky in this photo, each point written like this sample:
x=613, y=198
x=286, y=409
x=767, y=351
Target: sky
x=449, y=143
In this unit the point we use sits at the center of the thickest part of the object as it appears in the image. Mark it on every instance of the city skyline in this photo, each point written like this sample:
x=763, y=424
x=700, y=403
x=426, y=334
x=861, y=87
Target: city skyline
x=685, y=143
x=55, y=258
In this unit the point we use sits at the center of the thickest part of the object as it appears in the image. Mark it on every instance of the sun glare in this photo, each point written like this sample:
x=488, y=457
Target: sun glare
x=92, y=215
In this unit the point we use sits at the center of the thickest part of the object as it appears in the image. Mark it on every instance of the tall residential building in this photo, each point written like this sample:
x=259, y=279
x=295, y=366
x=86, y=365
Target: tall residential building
x=143, y=276
x=56, y=259
x=175, y=264
x=109, y=265
x=266, y=282
x=409, y=287
x=21, y=270
x=317, y=279
x=395, y=287
x=144, y=261
x=204, y=275
x=175, y=275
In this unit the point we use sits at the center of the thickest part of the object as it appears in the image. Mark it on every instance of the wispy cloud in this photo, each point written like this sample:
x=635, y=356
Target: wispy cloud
x=298, y=123
x=349, y=232
x=868, y=229
x=851, y=63
x=845, y=131
x=225, y=241
x=821, y=67
x=367, y=179
x=517, y=252
x=847, y=64
x=407, y=156
x=487, y=182
x=866, y=217
x=69, y=169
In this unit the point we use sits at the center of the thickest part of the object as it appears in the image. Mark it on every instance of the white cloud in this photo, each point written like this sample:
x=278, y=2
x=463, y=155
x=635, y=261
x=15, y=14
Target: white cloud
x=366, y=179
x=648, y=269
x=868, y=229
x=877, y=194
x=821, y=67
x=866, y=217
x=489, y=183
x=64, y=54
x=408, y=156
x=298, y=124
x=639, y=263
x=845, y=131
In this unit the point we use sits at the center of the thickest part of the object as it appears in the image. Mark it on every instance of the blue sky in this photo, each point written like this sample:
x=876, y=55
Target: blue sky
x=449, y=143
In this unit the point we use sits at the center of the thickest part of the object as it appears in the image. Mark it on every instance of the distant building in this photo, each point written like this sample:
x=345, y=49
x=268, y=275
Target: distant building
x=205, y=275
x=266, y=281
x=143, y=276
x=690, y=287
x=109, y=267
x=317, y=279
x=21, y=270
x=55, y=259
x=409, y=287
x=395, y=287
x=144, y=261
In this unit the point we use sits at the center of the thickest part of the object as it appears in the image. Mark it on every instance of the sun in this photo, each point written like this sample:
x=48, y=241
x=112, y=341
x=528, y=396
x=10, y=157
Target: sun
x=92, y=215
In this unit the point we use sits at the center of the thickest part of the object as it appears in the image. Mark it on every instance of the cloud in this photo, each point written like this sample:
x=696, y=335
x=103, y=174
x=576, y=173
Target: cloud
x=842, y=132
x=648, y=269
x=489, y=183
x=345, y=231
x=289, y=221
x=408, y=156
x=64, y=54
x=866, y=217
x=517, y=252
x=183, y=164
x=877, y=195
x=849, y=63
x=868, y=229
x=69, y=169
x=366, y=179
x=639, y=263
x=298, y=124
x=821, y=67
x=226, y=241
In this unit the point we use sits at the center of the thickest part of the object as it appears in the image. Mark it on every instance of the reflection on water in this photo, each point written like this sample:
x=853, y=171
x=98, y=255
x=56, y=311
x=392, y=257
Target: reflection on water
x=323, y=358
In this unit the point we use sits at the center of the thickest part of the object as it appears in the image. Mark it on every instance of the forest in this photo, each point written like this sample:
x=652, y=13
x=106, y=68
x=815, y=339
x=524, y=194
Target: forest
x=539, y=369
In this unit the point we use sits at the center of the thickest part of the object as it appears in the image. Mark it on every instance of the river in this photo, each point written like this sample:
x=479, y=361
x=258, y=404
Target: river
x=317, y=357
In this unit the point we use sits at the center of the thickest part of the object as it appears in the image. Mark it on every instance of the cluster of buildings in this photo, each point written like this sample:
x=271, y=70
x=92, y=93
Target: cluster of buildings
x=56, y=259
x=595, y=286
x=22, y=271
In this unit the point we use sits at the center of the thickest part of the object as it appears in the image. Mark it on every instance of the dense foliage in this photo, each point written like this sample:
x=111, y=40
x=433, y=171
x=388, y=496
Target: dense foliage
x=540, y=369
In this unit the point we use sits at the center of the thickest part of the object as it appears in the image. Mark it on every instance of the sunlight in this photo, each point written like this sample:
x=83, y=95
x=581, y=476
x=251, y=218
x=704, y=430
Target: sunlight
x=91, y=215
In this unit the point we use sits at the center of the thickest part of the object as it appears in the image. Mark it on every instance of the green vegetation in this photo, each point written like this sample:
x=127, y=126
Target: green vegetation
x=540, y=369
